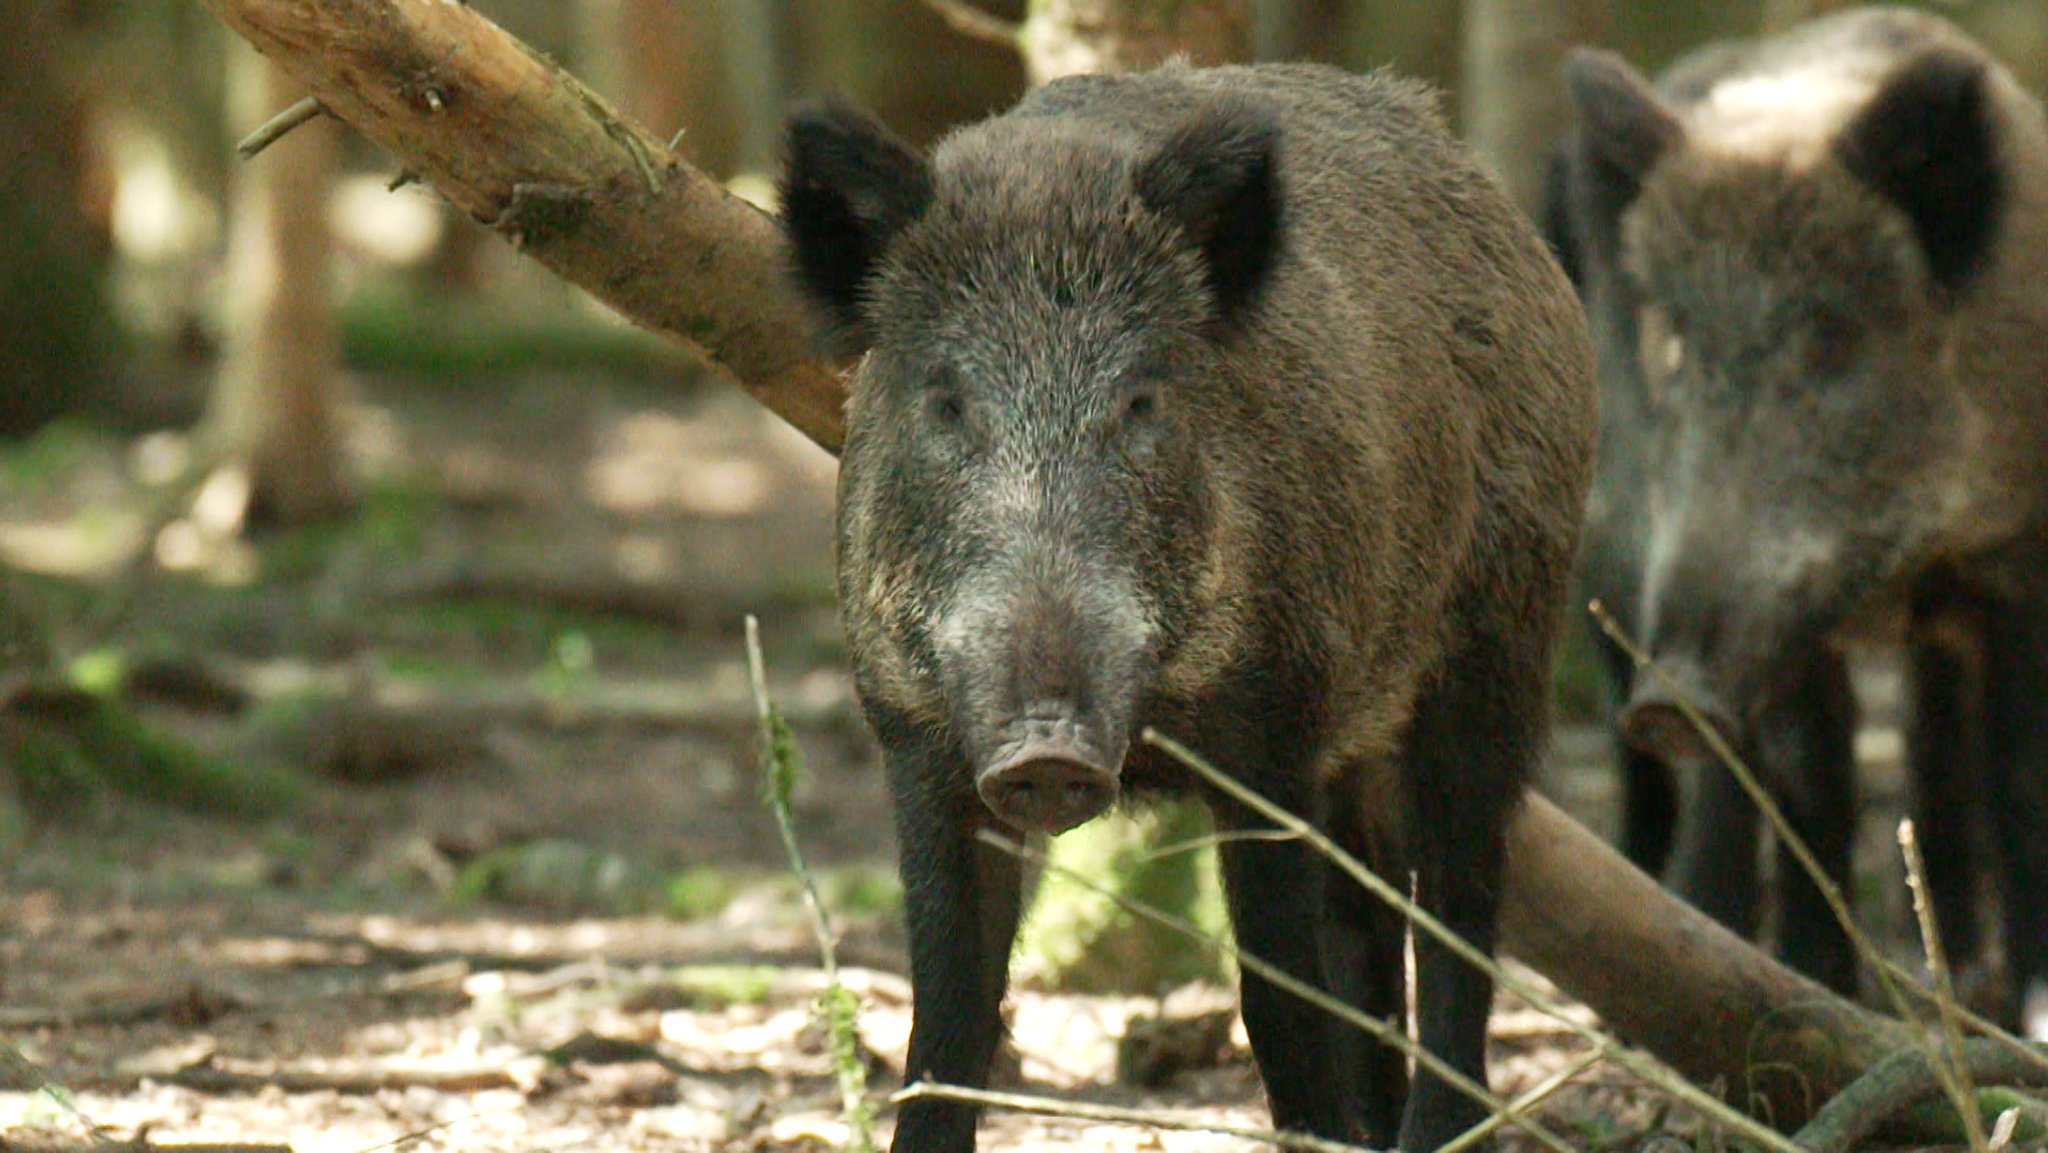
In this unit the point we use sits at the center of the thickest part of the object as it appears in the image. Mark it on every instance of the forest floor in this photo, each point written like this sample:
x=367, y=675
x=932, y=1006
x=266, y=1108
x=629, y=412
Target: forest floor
x=525, y=894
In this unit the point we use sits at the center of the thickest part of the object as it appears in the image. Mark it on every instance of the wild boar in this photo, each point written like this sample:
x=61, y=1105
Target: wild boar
x=1236, y=403
x=1816, y=268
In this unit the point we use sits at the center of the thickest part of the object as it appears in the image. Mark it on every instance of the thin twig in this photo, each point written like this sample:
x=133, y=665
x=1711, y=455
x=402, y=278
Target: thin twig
x=1895, y=981
x=1634, y=1062
x=1214, y=840
x=973, y=23
x=275, y=128
x=1083, y=1111
x=837, y=1004
x=771, y=739
x=1527, y=1100
x=1955, y=1072
x=1380, y=1030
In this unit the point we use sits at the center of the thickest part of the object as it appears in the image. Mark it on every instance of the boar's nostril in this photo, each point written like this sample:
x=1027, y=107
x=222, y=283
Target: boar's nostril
x=1047, y=794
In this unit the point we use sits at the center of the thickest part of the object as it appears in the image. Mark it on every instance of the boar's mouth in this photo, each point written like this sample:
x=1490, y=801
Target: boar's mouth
x=1048, y=778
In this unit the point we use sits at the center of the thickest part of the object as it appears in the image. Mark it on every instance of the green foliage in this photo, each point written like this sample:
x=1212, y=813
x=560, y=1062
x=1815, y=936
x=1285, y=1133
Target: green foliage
x=64, y=757
x=47, y=463
x=558, y=876
x=860, y=890
x=397, y=326
x=393, y=523
x=711, y=987
x=700, y=892
x=1082, y=941
x=570, y=667
x=1578, y=684
x=134, y=758
x=840, y=1010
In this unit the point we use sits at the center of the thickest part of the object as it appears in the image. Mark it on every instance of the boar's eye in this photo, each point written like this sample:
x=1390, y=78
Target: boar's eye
x=946, y=407
x=1141, y=405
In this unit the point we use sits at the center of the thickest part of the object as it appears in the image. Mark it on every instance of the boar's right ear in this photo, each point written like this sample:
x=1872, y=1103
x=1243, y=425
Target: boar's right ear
x=1217, y=177
x=850, y=187
x=1624, y=125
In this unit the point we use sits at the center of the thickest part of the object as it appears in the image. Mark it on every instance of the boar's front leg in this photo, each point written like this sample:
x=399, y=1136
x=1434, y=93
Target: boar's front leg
x=1474, y=740
x=1945, y=655
x=960, y=902
x=1814, y=751
x=1275, y=892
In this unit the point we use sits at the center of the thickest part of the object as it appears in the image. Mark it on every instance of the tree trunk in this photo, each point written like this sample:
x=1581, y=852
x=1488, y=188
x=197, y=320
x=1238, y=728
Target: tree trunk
x=1513, y=97
x=608, y=208
x=53, y=260
x=1071, y=37
x=276, y=406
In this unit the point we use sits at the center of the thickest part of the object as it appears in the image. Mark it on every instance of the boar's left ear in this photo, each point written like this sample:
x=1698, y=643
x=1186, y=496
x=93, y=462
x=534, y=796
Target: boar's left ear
x=1927, y=143
x=1217, y=177
x=850, y=187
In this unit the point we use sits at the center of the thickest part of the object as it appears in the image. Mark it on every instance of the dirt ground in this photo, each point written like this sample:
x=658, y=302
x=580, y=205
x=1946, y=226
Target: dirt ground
x=350, y=976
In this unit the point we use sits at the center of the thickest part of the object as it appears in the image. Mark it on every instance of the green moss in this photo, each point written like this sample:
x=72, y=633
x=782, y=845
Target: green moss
x=1082, y=941
x=701, y=892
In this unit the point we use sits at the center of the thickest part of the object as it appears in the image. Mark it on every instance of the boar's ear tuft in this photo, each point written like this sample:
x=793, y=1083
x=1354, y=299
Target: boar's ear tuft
x=850, y=187
x=1927, y=143
x=1217, y=176
x=1623, y=124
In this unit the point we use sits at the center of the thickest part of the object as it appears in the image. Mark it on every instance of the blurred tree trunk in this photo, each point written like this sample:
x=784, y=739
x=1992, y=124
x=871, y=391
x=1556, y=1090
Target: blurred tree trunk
x=1512, y=95
x=1782, y=14
x=53, y=259
x=1071, y=37
x=620, y=217
x=1297, y=29
x=276, y=404
x=756, y=54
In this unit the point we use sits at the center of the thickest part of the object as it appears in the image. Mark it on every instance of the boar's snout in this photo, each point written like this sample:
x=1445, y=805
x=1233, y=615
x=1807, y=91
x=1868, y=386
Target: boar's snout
x=1049, y=779
x=1654, y=724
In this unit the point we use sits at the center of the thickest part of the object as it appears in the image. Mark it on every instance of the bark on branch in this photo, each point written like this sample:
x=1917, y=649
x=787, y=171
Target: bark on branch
x=527, y=148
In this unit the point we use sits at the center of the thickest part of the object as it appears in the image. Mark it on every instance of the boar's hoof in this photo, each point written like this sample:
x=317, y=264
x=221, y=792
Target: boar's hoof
x=1653, y=724
x=1040, y=791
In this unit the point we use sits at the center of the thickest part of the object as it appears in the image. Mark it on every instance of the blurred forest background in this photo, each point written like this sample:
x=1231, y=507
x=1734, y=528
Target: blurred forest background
x=349, y=561
x=309, y=485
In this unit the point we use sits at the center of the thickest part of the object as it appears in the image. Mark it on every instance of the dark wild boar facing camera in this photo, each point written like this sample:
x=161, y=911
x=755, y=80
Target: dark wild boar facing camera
x=1817, y=272
x=1235, y=403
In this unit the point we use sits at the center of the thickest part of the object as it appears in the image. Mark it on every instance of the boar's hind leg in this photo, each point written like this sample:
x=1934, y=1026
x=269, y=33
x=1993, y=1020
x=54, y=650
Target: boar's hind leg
x=2017, y=704
x=1275, y=891
x=1474, y=740
x=960, y=901
x=1362, y=953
